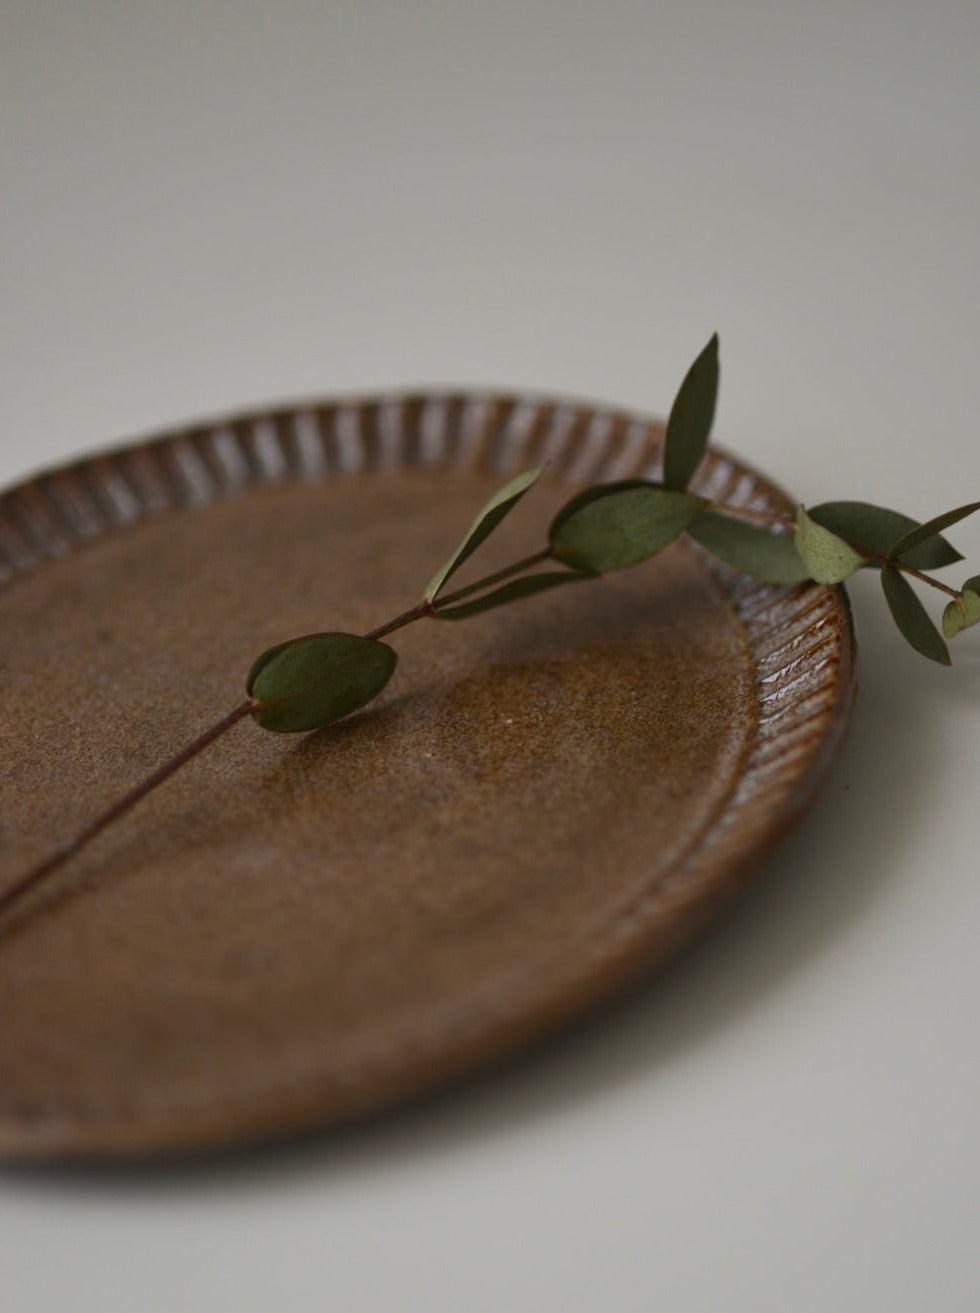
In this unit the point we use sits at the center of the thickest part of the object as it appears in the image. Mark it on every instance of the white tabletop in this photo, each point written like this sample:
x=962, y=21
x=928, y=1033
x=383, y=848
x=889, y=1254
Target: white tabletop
x=206, y=205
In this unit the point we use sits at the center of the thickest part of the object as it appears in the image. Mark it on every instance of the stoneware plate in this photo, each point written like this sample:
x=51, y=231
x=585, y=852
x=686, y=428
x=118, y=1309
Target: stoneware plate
x=545, y=805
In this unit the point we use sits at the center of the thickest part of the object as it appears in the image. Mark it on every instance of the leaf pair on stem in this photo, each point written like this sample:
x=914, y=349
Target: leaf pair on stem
x=312, y=681
x=839, y=538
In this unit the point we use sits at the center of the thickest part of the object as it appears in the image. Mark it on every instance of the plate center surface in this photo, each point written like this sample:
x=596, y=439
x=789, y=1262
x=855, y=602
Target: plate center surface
x=286, y=905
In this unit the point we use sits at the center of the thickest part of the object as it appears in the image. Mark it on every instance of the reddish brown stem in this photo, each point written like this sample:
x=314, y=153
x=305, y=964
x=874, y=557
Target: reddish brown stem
x=428, y=608
x=881, y=557
x=748, y=513
x=125, y=804
x=51, y=864
x=400, y=621
x=908, y=569
x=528, y=563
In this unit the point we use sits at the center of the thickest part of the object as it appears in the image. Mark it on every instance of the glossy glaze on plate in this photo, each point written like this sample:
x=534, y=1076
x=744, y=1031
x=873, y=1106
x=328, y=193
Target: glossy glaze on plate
x=545, y=805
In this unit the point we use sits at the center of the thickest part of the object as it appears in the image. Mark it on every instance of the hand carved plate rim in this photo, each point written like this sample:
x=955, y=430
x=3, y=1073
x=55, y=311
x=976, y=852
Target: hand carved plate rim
x=800, y=641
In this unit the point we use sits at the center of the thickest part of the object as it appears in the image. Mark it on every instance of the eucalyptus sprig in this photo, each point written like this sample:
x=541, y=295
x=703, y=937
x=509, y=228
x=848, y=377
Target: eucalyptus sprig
x=309, y=682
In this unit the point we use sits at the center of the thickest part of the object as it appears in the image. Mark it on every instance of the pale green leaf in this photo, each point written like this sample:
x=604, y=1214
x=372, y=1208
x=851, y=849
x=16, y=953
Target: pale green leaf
x=964, y=610
x=510, y=592
x=879, y=529
x=691, y=417
x=314, y=680
x=502, y=501
x=759, y=552
x=828, y=559
x=609, y=529
x=911, y=616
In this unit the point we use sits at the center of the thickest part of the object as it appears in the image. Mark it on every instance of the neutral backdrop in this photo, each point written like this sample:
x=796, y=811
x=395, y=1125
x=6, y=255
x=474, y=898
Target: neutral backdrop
x=212, y=204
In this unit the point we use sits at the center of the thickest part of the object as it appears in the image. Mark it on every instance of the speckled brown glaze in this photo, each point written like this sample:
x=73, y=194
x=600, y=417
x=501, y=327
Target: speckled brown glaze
x=546, y=803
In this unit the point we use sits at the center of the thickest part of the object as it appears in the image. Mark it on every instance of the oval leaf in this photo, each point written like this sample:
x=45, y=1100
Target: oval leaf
x=923, y=532
x=260, y=663
x=502, y=501
x=828, y=559
x=964, y=610
x=311, y=681
x=512, y=592
x=691, y=417
x=761, y=553
x=880, y=529
x=912, y=617
x=609, y=529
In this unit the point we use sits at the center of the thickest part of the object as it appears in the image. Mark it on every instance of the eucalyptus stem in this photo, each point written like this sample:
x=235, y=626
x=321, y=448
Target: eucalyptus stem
x=57, y=859
x=750, y=513
x=882, y=558
x=124, y=804
x=428, y=608
x=400, y=621
x=519, y=567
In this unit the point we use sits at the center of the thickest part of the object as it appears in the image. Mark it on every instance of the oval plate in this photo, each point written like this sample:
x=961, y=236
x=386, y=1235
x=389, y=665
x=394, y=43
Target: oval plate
x=545, y=805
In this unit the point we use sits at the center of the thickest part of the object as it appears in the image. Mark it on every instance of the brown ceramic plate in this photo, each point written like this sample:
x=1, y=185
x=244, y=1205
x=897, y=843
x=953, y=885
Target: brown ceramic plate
x=545, y=805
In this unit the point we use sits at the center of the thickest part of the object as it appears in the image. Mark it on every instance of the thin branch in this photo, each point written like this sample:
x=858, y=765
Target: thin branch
x=749, y=513
x=400, y=621
x=881, y=557
x=119, y=809
x=125, y=804
x=507, y=572
x=909, y=569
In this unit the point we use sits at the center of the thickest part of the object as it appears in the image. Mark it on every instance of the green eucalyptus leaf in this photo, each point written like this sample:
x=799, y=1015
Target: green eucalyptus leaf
x=595, y=493
x=828, y=559
x=923, y=532
x=616, y=526
x=761, y=553
x=262, y=661
x=502, y=501
x=911, y=616
x=311, y=681
x=691, y=417
x=964, y=610
x=510, y=592
x=879, y=529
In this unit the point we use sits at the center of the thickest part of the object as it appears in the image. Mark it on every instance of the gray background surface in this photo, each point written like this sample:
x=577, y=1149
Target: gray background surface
x=208, y=205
